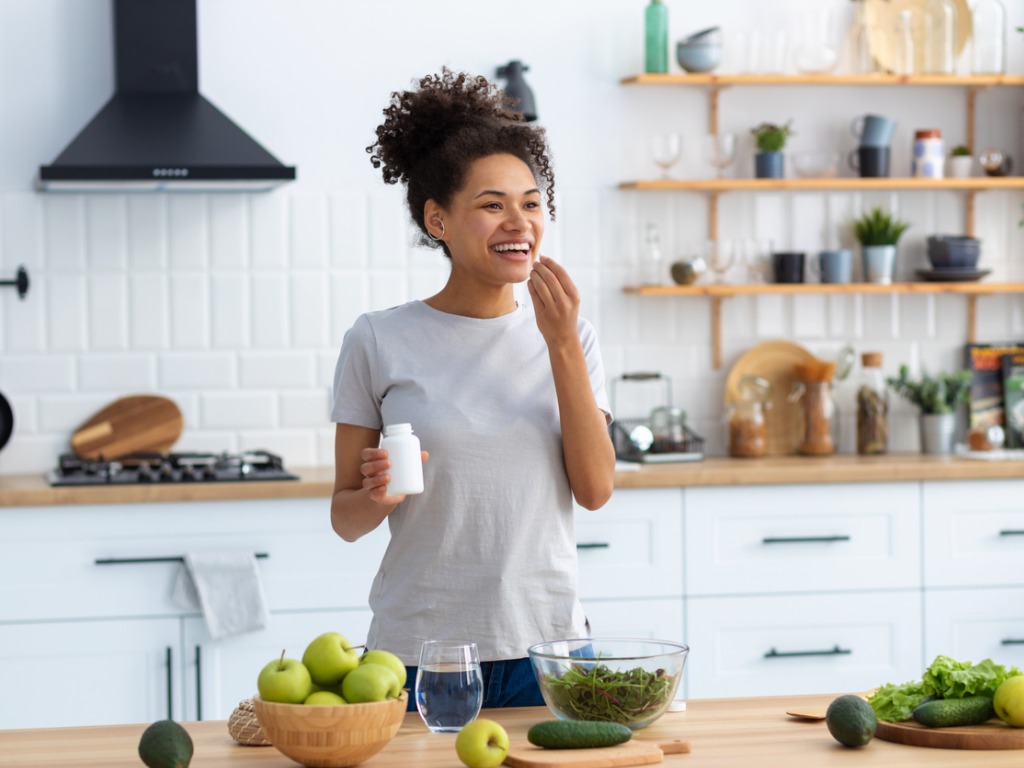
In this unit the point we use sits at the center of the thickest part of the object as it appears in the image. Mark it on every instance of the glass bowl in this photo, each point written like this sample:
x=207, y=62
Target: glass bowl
x=816, y=165
x=618, y=680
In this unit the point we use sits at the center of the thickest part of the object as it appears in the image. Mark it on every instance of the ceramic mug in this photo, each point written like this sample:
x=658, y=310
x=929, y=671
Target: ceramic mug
x=788, y=267
x=870, y=162
x=873, y=130
x=835, y=266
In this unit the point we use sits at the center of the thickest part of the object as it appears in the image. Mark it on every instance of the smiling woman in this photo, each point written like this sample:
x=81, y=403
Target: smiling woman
x=508, y=399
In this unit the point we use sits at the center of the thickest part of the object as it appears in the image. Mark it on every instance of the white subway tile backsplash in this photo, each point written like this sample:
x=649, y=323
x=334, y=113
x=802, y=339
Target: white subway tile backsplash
x=279, y=370
x=67, y=412
x=188, y=237
x=24, y=321
x=65, y=320
x=298, y=448
x=64, y=226
x=149, y=315
x=229, y=310
x=809, y=315
x=238, y=410
x=308, y=229
x=387, y=289
x=123, y=373
x=268, y=230
x=108, y=311
x=229, y=230
x=325, y=447
x=37, y=373
x=349, y=292
x=22, y=235
x=147, y=232
x=305, y=409
x=348, y=230
x=206, y=441
x=770, y=321
x=309, y=309
x=269, y=310
x=31, y=454
x=26, y=413
x=199, y=370
x=391, y=232
x=107, y=232
x=190, y=310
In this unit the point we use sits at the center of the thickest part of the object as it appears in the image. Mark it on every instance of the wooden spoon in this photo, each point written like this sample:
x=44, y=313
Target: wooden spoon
x=818, y=713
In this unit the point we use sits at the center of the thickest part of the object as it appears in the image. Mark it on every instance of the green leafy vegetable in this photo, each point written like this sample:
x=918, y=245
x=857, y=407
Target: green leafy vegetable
x=946, y=678
x=602, y=694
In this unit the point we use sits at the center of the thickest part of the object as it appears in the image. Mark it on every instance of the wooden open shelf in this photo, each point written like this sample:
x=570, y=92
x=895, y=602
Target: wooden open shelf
x=718, y=292
x=975, y=183
x=978, y=81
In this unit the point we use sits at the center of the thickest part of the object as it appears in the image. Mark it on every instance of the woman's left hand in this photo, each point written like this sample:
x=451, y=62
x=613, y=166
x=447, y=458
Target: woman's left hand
x=556, y=301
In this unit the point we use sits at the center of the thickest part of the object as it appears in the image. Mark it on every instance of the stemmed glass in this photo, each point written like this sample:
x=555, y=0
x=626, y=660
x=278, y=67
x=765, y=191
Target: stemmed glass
x=756, y=257
x=721, y=150
x=666, y=149
x=721, y=256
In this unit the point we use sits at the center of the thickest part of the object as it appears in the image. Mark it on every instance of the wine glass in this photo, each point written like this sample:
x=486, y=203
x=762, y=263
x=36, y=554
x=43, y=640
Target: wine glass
x=666, y=148
x=756, y=257
x=721, y=256
x=721, y=150
x=449, y=685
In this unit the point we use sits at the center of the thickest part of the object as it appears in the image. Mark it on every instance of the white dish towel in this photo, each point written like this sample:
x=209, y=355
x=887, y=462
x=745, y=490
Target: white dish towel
x=226, y=586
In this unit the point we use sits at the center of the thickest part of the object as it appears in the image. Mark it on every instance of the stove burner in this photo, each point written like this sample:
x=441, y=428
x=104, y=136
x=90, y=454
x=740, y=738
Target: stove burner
x=143, y=468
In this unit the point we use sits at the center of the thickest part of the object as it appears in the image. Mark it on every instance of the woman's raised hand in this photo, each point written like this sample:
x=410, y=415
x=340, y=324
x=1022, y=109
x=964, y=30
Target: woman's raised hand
x=556, y=301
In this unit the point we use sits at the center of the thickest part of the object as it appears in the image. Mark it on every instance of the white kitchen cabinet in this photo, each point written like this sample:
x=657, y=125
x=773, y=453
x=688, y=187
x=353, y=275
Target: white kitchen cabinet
x=793, y=644
x=975, y=624
x=89, y=672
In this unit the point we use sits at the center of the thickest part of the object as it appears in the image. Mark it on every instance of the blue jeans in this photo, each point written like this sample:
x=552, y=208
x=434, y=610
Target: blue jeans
x=506, y=684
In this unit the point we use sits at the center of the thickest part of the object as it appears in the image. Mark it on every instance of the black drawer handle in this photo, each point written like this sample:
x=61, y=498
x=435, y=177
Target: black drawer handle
x=801, y=539
x=130, y=560
x=1011, y=532
x=169, y=664
x=834, y=651
x=1013, y=641
x=593, y=545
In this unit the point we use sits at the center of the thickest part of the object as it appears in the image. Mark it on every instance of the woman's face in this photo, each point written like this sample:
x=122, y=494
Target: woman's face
x=494, y=224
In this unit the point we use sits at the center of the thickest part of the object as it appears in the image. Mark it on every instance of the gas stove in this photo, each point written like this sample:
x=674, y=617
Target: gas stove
x=152, y=468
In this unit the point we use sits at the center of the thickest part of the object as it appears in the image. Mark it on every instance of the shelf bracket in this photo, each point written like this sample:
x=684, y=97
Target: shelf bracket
x=969, y=212
x=713, y=109
x=972, y=318
x=713, y=216
x=716, y=332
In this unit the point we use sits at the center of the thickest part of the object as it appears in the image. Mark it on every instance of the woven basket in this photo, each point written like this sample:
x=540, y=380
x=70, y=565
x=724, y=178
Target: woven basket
x=245, y=728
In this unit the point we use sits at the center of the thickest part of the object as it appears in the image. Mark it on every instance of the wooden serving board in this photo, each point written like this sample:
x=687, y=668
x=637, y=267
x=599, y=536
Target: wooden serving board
x=127, y=425
x=633, y=752
x=995, y=734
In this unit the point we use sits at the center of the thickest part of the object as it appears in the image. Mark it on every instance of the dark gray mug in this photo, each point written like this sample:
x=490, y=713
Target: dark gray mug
x=788, y=267
x=870, y=162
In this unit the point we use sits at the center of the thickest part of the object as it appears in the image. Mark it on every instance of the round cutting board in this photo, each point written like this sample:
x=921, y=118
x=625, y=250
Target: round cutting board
x=883, y=16
x=995, y=734
x=774, y=361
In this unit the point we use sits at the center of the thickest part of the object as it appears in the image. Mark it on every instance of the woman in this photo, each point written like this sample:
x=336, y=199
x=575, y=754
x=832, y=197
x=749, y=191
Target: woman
x=507, y=400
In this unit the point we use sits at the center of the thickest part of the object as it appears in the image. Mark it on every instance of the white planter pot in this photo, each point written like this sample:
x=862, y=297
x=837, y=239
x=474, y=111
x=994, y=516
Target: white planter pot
x=937, y=430
x=878, y=262
x=960, y=166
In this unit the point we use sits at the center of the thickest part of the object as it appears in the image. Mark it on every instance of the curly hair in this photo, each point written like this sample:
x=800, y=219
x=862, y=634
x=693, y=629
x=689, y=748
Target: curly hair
x=431, y=135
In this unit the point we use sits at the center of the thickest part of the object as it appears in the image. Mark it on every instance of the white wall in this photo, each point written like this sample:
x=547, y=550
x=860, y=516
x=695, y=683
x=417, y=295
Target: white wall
x=235, y=304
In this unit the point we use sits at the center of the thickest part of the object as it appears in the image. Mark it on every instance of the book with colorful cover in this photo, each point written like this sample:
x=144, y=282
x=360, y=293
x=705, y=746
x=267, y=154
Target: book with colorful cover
x=985, y=362
x=1013, y=399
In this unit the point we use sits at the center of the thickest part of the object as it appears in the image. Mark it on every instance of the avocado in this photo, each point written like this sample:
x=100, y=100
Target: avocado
x=944, y=713
x=851, y=721
x=577, y=734
x=165, y=744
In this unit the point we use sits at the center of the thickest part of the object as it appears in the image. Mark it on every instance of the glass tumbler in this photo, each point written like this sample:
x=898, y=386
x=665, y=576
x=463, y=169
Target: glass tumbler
x=449, y=685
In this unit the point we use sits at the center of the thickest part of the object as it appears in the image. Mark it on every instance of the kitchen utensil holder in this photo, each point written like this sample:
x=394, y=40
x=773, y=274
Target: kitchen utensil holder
x=690, y=448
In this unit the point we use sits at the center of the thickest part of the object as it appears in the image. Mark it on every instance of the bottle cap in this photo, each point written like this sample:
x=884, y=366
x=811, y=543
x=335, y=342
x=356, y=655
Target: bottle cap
x=871, y=359
x=397, y=429
x=928, y=133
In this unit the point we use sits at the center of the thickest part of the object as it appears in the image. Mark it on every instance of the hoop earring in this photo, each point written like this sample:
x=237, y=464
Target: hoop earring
x=439, y=237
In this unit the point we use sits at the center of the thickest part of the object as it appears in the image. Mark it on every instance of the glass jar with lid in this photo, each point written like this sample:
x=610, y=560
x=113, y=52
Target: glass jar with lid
x=746, y=418
x=872, y=407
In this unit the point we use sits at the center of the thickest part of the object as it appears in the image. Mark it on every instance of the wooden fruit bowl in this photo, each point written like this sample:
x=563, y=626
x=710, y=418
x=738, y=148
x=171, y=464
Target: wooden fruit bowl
x=330, y=737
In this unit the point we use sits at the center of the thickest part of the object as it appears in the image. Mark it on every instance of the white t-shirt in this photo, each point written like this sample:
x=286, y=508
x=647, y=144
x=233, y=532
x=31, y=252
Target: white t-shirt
x=487, y=553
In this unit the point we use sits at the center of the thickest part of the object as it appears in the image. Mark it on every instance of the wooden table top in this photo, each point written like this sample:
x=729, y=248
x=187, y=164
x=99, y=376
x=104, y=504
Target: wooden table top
x=724, y=733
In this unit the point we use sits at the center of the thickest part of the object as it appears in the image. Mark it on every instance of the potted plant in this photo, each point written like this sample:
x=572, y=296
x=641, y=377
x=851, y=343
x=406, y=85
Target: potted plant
x=960, y=162
x=937, y=398
x=769, y=162
x=878, y=232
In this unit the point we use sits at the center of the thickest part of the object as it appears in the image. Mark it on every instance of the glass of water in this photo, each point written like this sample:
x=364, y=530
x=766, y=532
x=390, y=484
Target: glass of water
x=449, y=685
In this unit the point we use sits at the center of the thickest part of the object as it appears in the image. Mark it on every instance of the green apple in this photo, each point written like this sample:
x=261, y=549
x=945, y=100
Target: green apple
x=482, y=744
x=1009, y=701
x=329, y=658
x=285, y=681
x=370, y=682
x=324, y=698
x=389, y=660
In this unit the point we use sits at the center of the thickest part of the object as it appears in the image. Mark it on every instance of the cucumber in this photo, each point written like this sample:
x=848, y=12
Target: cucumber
x=945, y=713
x=577, y=734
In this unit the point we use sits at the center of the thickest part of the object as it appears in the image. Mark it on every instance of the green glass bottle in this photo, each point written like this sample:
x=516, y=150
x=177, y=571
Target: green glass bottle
x=656, y=37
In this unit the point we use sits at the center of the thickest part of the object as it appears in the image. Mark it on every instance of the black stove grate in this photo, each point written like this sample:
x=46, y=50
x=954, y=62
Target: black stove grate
x=155, y=468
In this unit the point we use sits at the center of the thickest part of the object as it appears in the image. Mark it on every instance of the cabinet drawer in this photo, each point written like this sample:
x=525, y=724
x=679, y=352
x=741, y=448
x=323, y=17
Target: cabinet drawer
x=766, y=646
x=975, y=624
x=755, y=540
x=48, y=556
x=631, y=547
x=974, y=533
x=660, y=619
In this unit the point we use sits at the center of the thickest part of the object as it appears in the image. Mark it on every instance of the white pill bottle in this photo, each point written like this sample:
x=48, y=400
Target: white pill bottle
x=403, y=449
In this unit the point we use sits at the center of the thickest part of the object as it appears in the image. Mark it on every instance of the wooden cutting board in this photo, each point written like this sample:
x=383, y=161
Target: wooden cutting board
x=633, y=752
x=127, y=425
x=995, y=734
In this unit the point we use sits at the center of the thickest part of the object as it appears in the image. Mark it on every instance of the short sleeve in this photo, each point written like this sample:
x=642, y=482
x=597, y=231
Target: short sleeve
x=595, y=367
x=356, y=398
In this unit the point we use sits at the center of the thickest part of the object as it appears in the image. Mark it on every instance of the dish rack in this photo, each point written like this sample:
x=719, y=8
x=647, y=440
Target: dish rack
x=691, y=448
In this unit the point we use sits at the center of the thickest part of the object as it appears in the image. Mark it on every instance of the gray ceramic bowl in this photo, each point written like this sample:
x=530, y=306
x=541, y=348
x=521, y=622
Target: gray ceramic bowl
x=698, y=55
x=953, y=252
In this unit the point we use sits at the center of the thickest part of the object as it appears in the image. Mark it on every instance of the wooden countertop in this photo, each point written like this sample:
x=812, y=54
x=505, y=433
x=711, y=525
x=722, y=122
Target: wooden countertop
x=318, y=482
x=724, y=733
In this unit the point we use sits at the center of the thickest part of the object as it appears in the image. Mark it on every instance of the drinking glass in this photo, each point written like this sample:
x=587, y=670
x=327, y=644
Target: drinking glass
x=722, y=254
x=721, y=150
x=666, y=149
x=756, y=256
x=449, y=685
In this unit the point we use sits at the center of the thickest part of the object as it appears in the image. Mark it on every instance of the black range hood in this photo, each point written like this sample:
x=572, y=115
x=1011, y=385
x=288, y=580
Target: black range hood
x=158, y=133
